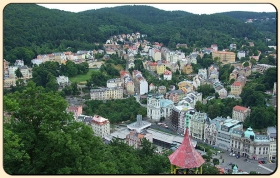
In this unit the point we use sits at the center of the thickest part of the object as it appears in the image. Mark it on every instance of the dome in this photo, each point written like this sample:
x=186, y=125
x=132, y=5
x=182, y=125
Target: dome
x=235, y=167
x=249, y=132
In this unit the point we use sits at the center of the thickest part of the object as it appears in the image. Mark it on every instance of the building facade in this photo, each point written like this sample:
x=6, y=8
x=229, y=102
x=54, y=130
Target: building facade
x=116, y=82
x=236, y=89
x=272, y=133
x=224, y=57
x=100, y=126
x=240, y=113
x=106, y=93
x=249, y=145
x=197, y=123
x=158, y=107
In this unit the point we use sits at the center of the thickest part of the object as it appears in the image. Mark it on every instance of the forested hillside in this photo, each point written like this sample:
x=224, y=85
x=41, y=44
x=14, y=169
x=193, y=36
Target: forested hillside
x=30, y=29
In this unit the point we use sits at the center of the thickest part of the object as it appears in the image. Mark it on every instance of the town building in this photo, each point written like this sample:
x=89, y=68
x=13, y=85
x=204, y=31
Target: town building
x=240, y=113
x=224, y=56
x=158, y=107
x=187, y=69
x=224, y=133
x=167, y=75
x=190, y=99
x=100, y=126
x=140, y=83
x=160, y=68
x=236, y=88
x=241, y=54
x=197, y=123
x=211, y=130
x=162, y=90
x=62, y=80
x=106, y=93
x=134, y=138
x=175, y=95
x=8, y=82
x=272, y=133
x=130, y=89
x=76, y=110
x=203, y=73
x=250, y=145
x=116, y=82
x=178, y=117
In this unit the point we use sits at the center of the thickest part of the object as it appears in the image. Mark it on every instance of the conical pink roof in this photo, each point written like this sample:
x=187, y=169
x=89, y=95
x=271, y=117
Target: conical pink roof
x=186, y=156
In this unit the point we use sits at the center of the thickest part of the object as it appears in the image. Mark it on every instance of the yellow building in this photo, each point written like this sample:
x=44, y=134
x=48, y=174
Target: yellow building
x=9, y=81
x=160, y=68
x=187, y=69
x=236, y=88
x=224, y=56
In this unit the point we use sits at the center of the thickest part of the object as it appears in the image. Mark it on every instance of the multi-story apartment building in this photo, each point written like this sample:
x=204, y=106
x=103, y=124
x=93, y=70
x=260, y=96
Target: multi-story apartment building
x=141, y=84
x=197, y=123
x=158, y=107
x=160, y=68
x=167, y=75
x=224, y=57
x=236, y=88
x=25, y=71
x=272, y=133
x=240, y=113
x=106, y=93
x=241, y=54
x=100, y=126
x=162, y=90
x=187, y=69
x=211, y=130
x=76, y=110
x=224, y=133
x=178, y=117
x=116, y=82
x=12, y=70
x=250, y=145
x=203, y=73
x=130, y=89
x=8, y=82
x=152, y=66
x=134, y=138
x=175, y=95
x=190, y=99
x=62, y=80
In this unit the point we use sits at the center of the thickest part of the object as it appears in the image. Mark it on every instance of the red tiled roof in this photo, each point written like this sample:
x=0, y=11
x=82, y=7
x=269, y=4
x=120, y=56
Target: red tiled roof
x=167, y=72
x=236, y=84
x=239, y=108
x=186, y=156
x=153, y=63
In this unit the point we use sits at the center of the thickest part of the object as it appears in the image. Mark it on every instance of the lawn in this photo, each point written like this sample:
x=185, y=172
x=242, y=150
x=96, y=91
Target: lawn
x=82, y=78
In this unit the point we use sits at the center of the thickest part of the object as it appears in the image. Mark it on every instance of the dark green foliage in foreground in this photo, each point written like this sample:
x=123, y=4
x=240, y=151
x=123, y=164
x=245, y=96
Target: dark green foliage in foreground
x=41, y=138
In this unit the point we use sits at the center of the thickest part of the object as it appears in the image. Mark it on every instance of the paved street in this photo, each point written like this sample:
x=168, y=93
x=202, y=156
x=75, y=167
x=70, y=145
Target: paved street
x=253, y=165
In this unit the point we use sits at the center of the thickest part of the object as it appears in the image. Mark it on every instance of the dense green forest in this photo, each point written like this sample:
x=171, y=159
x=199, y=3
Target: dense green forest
x=30, y=29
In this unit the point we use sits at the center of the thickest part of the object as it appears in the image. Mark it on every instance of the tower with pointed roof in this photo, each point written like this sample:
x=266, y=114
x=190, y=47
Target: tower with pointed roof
x=186, y=157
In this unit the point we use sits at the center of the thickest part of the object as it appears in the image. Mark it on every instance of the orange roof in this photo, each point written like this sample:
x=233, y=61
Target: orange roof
x=153, y=63
x=239, y=108
x=236, y=84
x=140, y=136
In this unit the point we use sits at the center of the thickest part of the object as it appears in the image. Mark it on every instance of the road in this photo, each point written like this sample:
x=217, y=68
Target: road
x=252, y=165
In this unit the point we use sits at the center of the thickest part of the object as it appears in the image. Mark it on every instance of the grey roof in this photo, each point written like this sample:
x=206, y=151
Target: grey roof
x=175, y=91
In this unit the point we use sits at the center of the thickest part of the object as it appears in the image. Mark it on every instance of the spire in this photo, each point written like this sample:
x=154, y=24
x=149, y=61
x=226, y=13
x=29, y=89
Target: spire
x=186, y=156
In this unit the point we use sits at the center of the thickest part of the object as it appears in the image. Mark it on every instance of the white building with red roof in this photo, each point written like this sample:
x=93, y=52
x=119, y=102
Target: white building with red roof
x=167, y=75
x=100, y=126
x=240, y=113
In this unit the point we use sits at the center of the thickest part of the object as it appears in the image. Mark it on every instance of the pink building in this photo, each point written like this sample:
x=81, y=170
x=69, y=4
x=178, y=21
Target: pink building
x=76, y=110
